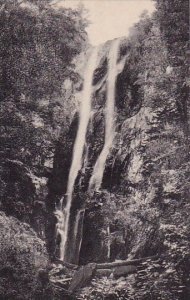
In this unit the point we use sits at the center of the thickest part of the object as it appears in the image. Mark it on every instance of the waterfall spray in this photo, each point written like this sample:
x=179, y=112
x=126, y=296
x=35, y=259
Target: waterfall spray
x=85, y=111
x=97, y=175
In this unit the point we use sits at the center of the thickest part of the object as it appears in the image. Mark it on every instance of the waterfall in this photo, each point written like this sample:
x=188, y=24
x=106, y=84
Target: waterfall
x=84, y=116
x=97, y=175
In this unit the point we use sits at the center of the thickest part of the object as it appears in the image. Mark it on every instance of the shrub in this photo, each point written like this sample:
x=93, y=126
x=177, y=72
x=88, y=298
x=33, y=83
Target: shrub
x=23, y=261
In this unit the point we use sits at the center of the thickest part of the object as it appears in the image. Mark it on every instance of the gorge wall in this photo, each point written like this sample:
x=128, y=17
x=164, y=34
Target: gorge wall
x=142, y=184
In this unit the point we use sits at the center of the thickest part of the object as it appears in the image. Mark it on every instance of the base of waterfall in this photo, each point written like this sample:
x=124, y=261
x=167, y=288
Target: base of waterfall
x=69, y=280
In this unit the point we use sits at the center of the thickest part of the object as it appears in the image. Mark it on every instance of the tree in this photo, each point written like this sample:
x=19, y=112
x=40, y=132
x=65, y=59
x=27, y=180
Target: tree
x=173, y=17
x=38, y=45
x=174, y=24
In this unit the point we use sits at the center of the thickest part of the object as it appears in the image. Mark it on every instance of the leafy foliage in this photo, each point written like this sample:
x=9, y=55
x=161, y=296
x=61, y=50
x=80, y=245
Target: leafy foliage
x=174, y=24
x=38, y=47
x=37, y=78
x=23, y=261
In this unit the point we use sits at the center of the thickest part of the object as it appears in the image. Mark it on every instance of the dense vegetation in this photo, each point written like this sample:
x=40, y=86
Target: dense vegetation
x=38, y=47
x=23, y=262
x=39, y=44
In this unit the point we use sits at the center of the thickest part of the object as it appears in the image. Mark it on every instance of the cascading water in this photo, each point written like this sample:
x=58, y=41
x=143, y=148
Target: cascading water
x=97, y=175
x=85, y=112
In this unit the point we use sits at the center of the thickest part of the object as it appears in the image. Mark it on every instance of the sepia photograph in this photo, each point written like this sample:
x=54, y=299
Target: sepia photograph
x=94, y=150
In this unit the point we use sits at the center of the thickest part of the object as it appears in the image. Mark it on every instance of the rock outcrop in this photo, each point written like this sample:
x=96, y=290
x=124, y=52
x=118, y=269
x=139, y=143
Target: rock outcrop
x=142, y=177
x=23, y=194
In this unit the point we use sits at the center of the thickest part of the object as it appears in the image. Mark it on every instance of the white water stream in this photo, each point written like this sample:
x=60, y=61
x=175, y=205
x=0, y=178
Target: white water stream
x=98, y=171
x=85, y=111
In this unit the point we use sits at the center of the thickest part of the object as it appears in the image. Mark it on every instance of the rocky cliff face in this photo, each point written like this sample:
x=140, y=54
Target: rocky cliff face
x=143, y=191
x=23, y=194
